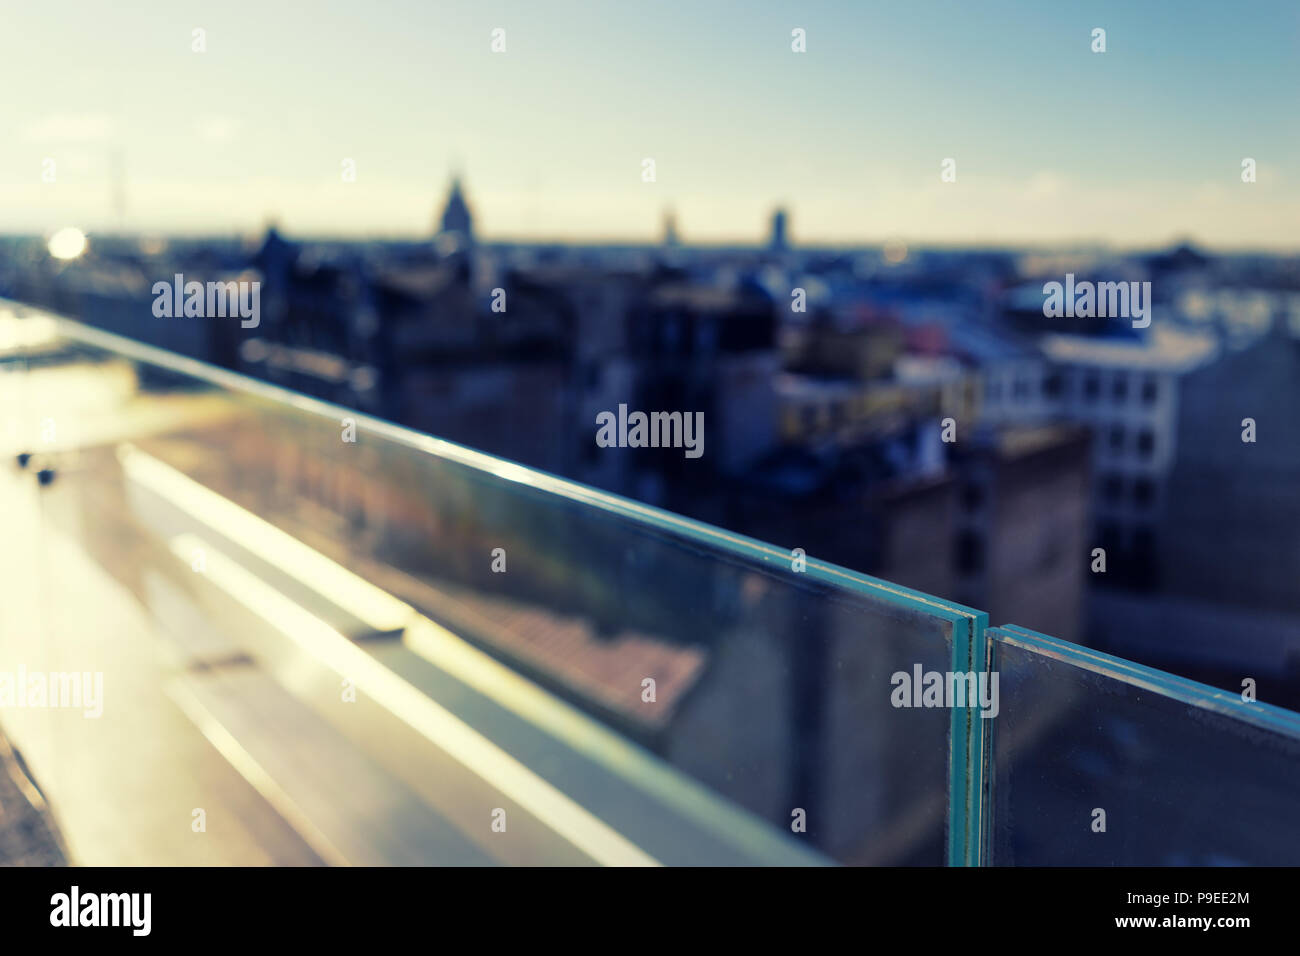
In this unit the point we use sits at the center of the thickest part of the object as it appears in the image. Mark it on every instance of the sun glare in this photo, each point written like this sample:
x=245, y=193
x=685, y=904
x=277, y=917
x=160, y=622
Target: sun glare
x=67, y=243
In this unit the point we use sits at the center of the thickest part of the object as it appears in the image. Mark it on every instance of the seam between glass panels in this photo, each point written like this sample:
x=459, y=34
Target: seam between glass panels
x=966, y=748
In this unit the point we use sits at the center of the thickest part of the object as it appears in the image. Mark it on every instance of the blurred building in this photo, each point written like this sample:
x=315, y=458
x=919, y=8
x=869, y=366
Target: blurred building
x=1128, y=392
x=1024, y=537
x=1230, y=531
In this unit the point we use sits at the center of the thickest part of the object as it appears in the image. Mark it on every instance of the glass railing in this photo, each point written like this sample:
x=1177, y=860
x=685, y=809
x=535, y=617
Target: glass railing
x=1098, y=761
x=330, y=639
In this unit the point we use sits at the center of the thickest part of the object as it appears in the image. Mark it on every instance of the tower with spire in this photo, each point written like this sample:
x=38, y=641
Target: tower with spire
x=457, y=221
x=779, y=241
x=670, y=229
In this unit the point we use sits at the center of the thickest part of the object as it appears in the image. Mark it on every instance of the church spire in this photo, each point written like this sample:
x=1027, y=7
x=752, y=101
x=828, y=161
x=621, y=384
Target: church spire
x=457, y=220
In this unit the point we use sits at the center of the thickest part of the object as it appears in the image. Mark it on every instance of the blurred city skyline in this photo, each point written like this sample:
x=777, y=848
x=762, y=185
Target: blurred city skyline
x=1139, y=146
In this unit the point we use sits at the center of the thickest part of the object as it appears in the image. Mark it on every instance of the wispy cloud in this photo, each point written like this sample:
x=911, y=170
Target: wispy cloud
x=69, y=128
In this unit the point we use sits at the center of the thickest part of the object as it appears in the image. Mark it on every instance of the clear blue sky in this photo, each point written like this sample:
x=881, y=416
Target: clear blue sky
x=1052, y=142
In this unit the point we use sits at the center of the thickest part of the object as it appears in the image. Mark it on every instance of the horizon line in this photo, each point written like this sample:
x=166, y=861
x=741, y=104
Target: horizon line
x=746, y=244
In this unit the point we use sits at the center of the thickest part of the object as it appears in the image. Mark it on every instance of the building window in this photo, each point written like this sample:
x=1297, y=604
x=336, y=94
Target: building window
x=1150, y=390
x=1146, y=443
x=1144, y=491
x=1116, y=439
x=1091, y=387
x=1052, y=385
x=1112, y=488
x=1119, y=390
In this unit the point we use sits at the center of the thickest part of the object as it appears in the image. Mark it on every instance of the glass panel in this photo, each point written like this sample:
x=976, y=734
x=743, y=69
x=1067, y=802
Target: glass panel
x=1185, y=775
x=354, y=643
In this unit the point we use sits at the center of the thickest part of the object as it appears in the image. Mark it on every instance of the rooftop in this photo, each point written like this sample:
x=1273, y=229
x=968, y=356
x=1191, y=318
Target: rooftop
x=1164, y=349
